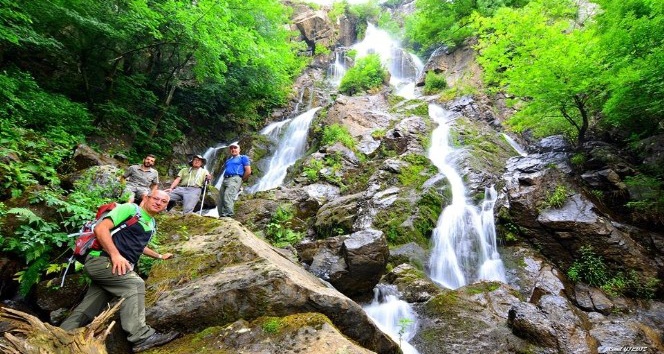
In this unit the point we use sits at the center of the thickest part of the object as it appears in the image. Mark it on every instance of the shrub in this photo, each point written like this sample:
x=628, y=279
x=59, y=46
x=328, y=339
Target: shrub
x=368, y=73
x=338, y=133
x=434, y=83
x=278, y=230
x=555, y=199
x=589, y=268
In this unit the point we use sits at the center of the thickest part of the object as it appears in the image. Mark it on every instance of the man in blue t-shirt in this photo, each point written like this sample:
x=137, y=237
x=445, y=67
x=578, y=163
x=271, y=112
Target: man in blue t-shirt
x=237, y=169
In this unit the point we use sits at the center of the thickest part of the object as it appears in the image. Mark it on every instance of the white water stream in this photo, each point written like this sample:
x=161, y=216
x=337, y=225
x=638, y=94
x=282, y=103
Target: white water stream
x=464, y=239
x=518, y=148
x=394, y=317
x=404, y=67
x=292, y=145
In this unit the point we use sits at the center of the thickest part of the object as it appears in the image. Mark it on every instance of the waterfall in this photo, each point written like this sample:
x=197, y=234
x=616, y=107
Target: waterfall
x=394, y=317
x=404, y=67
x=337, y=70
x=464, y=239
x=292, y=145
x=520, y=150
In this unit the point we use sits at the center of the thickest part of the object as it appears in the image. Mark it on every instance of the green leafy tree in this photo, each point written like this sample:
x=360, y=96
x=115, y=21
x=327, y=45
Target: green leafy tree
x=631, y=36
x=436, y=23
x=552, y=68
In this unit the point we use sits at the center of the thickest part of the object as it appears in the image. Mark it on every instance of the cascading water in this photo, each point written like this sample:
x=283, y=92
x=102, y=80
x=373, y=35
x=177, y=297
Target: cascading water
x=404, y=67
x=394, y=317
x=292, y=145
x=465, y=247
x=337, y=70
x=515, y=145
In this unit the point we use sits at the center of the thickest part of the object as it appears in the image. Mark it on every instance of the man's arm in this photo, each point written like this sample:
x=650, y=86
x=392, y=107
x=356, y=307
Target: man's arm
x=175, y=183
x=103, y=232
x=247, y=173
x=152, y=253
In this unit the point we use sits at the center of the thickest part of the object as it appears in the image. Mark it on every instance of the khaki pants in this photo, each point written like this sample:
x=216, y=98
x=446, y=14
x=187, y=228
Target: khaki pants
x=229, y=189
x=105, y=287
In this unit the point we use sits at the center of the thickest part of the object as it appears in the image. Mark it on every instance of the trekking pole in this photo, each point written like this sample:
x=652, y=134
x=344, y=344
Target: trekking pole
x=200, y=212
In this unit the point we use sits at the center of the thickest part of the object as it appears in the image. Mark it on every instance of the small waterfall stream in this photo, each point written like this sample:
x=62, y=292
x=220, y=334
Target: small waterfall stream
x=464, y=239
x=393, y=316
x=292, y=145
x=518, y=148
x=404, y=67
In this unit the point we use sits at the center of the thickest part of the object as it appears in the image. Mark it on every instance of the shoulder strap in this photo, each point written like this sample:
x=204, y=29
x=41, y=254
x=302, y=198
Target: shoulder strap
x=131, y=221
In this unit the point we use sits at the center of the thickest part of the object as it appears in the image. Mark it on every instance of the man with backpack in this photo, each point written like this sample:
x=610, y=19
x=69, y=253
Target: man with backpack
x=111, y=270
x=141, y=179
x=188, y=184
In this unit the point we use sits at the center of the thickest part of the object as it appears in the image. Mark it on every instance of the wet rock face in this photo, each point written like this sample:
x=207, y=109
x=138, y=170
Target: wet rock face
x=561, y=230
x=314, y=27
x=361, y=115
x=353, y=264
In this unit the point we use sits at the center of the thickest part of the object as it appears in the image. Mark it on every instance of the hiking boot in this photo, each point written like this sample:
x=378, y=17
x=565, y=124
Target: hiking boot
x=154, y=340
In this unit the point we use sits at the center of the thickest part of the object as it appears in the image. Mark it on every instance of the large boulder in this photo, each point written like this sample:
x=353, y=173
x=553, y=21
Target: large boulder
x=303, y=333
x=223, y=273
x=353, y=264
x=360, y=114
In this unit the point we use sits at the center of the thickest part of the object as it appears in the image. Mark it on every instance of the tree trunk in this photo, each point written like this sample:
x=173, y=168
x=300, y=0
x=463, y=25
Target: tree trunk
x=28, y=335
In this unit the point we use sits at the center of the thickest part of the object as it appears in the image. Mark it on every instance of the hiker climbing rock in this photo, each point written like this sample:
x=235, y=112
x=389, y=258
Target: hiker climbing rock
x=111, y=270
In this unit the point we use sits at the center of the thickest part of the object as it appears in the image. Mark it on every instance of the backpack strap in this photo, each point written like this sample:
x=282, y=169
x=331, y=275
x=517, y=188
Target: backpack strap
x=131, y=221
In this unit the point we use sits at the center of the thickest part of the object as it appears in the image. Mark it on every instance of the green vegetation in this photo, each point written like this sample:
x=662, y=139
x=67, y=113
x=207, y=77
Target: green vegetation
x=434, y=83
x=278, y=230
x=138, y=72
x=555, y=199
x=610, y=69
x=414, y=174
x=338, y=133
x=272, y=325
x=40, y=241
x=367, y=74
x=437, y=23
x=403, y=325
x=590, y=268
x=150, y=70
x=646, y=197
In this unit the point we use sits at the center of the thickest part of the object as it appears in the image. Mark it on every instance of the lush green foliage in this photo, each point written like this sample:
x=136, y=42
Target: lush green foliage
x=41, y=242
x=278, y=230
x=646, y=197
x=555, y=199
x=368, y=73
x=434, y=83
x=631, y=37
x=609, y=73
x=522, y=52
x=592, y=269
x=436, y=23
x=589, y=268
x=151, y=70
x=337, y=133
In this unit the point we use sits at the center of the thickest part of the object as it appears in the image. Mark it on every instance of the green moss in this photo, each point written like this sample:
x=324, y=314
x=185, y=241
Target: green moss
x=417, y=172
x=482, y=287
x=442, y=303
x=420, y=110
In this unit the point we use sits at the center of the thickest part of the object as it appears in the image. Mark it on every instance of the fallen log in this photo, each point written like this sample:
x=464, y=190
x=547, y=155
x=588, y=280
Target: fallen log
x=29, y=335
